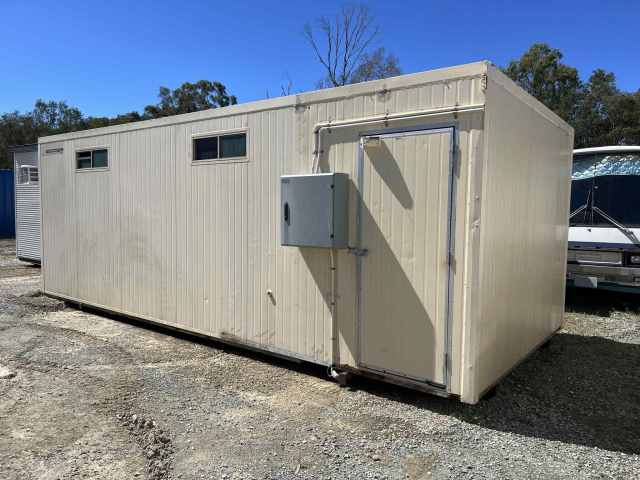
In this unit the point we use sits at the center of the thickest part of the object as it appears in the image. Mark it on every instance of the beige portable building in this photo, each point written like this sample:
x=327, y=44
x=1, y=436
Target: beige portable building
x=456, y=226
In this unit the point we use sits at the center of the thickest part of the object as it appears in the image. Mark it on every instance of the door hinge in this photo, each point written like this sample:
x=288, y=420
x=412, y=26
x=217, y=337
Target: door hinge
x=358, y=252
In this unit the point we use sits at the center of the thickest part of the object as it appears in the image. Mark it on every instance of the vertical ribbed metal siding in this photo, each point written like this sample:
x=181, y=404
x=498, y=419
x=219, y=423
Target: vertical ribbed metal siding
x=7, y=204
x=28, y=241
x=197, y=246
x=59, y=256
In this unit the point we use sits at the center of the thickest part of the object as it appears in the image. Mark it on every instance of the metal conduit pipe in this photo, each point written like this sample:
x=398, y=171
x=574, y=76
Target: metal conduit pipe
x=381, y=118
x=317, y=152
x=335, y=341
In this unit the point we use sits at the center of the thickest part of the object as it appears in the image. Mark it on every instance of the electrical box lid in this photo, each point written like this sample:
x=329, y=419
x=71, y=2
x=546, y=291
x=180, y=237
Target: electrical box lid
x=314, y=210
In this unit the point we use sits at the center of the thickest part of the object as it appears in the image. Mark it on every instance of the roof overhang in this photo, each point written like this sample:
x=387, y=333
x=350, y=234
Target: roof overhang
x=31, y=147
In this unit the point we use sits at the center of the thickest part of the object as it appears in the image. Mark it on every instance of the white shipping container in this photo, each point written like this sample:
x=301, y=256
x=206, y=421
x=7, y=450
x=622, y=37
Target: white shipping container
x=457, y=225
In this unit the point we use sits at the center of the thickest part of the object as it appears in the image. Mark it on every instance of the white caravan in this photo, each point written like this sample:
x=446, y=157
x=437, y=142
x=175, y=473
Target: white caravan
x=604, y=233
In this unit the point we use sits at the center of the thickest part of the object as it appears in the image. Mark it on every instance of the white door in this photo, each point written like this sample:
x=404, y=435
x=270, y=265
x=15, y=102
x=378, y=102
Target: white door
x=405, y=212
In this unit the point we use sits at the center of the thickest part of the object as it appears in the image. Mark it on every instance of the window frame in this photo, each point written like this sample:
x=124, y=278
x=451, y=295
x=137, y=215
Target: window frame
x=92, y=168
x=29, y=169
x=219, y=134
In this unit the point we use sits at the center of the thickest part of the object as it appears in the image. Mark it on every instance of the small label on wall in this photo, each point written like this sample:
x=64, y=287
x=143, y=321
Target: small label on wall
x=53, y=150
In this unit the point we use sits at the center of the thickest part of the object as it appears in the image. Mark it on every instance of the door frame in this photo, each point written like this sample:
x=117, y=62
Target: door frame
x=427, y=129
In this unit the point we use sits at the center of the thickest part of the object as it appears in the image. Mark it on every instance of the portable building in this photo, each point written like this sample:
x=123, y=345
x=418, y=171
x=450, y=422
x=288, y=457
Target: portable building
x=7, y=205
x=27, y=200
x=215, y=222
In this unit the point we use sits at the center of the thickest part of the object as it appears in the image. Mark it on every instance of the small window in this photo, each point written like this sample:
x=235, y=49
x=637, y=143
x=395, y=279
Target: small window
x=205, y=148
x=220, y=147
x=233, y=146
x=92, y=159
x=84, y=159
x=99, y=159
x=27, y=174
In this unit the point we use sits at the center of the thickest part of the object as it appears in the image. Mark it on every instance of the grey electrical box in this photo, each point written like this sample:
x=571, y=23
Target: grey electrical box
x=314, y=210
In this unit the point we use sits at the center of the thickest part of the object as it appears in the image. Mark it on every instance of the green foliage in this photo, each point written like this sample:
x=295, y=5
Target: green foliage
x=376, y=65
x=50, y=118
x=55, y=117
x=190, y=97
x=541, y=73
x=607, y=116
x=600, y=113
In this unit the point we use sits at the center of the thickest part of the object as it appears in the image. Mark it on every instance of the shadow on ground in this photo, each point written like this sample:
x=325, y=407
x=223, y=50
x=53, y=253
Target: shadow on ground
x=601, y=302
x=582, y=390
x=579, y=390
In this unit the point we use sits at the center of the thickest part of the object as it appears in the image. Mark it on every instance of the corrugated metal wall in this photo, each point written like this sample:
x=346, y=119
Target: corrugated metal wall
x=28, y=241
x=7, y=205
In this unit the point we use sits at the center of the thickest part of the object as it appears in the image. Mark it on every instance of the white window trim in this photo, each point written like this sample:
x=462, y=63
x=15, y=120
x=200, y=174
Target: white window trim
x=29, y=168
x=91, y=149
x=219, y=133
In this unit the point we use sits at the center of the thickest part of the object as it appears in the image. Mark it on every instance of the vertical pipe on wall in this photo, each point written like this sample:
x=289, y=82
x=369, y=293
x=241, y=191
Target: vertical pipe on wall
x=335, y=354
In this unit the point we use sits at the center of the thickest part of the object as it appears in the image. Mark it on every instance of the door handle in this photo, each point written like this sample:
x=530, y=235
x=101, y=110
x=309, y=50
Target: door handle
x=287, y=213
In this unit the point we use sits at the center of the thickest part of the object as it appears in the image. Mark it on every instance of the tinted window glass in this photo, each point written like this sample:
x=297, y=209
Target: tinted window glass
x=205, y=148
x=83, y=159
x=619, y=197
x=580, y=192
x=611, y=183
x=100, y=159
x=233, y=146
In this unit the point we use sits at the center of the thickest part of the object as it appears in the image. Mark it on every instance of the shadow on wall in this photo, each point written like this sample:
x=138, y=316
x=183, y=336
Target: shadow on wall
x=398, y=336
x=579, y=390
x=385, y=164
x=382, y=160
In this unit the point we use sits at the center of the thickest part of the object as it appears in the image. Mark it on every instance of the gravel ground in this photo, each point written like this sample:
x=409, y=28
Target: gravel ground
x=88, y=396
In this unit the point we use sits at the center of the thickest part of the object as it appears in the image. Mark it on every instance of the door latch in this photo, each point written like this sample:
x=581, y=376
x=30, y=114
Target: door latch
x=358, y=252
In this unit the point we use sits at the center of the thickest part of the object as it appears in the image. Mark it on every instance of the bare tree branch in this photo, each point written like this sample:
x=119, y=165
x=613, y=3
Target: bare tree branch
x=288, y=88
x=347, y=39
x=308, y=31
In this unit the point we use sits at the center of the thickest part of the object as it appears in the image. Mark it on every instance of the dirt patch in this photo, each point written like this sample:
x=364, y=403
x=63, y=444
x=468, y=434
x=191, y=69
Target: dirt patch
x=20, y=271
x=28, y=304
x=154, y=442
x=10, y=266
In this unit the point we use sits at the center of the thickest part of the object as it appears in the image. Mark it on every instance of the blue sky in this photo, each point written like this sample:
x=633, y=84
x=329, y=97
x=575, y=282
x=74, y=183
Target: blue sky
x=111, y=57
